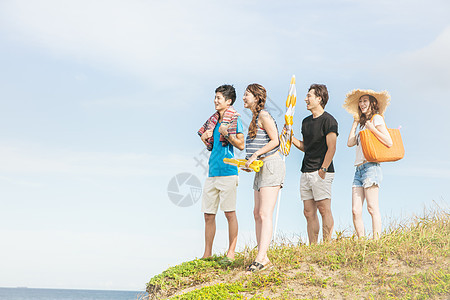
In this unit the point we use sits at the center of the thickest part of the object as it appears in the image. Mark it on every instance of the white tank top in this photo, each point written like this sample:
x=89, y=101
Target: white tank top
x=360, y=159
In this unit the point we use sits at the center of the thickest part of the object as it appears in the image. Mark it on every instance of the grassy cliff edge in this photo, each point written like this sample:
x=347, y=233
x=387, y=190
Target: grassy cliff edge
x=410, y=261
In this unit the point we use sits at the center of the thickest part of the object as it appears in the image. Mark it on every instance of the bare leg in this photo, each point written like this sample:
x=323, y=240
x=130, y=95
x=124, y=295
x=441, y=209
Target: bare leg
x=232, y=232
x=374, y=209
x=313, y=226
x=357, y=204
x=324, y=207
x=210, y=232
x=268, y=199
x=258, y=222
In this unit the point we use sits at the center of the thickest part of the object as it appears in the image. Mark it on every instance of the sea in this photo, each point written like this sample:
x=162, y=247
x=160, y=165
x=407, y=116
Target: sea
x=66, y=294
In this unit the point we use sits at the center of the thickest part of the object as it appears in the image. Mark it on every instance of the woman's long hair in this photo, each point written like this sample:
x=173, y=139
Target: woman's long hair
x=260, y=94
x=373, y=110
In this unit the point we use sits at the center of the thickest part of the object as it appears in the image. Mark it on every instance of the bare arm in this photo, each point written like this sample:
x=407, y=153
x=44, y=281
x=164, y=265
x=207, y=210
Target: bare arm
x=381, y=133
x=269, y=126
x=299, y=144
x=237, y=140
x=352, y=136
x=331, y=144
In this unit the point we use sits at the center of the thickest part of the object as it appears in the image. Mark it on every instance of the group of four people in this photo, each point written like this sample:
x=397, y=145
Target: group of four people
x=224, y=130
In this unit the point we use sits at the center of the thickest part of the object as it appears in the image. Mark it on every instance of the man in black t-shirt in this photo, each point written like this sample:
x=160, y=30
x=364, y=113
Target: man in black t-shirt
x=320, y=131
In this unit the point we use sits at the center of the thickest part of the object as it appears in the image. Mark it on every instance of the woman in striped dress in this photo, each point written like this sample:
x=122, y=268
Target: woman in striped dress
x=263, y=143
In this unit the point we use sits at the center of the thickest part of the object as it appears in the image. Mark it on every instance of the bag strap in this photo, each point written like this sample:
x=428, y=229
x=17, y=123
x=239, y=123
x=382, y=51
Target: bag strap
x=374, y=117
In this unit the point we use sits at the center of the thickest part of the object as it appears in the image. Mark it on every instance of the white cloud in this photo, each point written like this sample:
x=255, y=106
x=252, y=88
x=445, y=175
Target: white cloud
x=128, y=260
x=433, y=61
x=41, y=160
x=422, y=169
x=426, y=68
x=159, y=40
x=119, y=102
x=20, y=182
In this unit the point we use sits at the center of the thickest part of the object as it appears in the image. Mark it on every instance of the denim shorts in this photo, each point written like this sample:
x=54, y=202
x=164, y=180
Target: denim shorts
x=368, y=174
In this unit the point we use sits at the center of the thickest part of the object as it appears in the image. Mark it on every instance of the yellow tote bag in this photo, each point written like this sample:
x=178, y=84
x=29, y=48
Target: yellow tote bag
x=375, y=151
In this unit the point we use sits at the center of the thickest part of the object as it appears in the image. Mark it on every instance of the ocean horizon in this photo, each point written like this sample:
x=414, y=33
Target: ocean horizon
x=25, y=293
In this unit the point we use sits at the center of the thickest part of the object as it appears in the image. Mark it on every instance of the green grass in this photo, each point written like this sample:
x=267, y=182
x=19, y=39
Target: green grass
x=218, y=291
x=187, y=274
x=409, y=261
x=417, y=286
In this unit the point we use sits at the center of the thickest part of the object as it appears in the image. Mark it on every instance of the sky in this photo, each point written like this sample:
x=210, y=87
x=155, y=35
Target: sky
x=100, y=102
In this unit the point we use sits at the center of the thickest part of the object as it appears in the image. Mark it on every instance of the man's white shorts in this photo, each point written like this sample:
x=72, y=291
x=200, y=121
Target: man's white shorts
x=219, y=189
x=313, y=187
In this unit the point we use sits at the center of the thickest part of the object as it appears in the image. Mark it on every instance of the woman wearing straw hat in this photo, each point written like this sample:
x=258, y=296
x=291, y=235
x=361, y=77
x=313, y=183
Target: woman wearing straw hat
x=263, y=143
x=367, y=108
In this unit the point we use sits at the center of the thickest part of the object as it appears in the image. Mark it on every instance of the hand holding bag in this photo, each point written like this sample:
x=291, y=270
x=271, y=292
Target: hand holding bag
x=376, y=151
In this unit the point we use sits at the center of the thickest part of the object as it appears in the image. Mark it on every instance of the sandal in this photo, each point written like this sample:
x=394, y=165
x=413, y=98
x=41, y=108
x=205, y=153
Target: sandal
x=255, y=266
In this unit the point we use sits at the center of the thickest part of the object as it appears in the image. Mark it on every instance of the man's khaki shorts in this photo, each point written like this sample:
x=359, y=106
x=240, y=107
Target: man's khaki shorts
x=219, y=189
x=313, y=187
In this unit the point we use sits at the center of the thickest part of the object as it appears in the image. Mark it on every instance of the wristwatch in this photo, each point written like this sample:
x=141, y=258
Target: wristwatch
x=324, y=169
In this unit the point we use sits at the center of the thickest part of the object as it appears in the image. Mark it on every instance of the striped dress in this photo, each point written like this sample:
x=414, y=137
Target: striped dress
x=259, y=141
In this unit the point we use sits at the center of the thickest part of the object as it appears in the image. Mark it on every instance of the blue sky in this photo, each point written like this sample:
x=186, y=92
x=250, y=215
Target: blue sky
x=100, y=102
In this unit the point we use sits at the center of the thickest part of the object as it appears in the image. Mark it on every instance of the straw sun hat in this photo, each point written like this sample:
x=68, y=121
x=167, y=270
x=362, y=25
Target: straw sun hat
x=351, y=103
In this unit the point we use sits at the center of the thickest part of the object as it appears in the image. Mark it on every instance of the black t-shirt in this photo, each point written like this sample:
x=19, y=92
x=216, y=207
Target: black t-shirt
x=314, y=133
